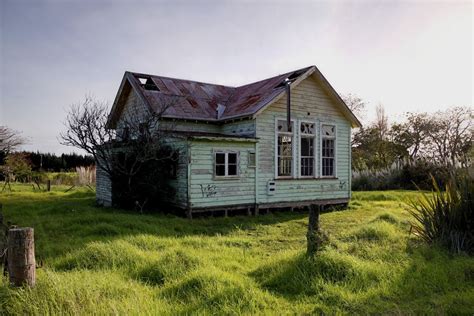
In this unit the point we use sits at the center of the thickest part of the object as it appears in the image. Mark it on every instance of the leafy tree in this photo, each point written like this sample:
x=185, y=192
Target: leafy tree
x=412, y=134
x=444, y=138
x=372, y=152
x=17, y=167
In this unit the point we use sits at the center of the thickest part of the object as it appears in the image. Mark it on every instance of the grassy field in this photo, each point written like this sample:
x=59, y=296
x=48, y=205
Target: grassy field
x=106, y=261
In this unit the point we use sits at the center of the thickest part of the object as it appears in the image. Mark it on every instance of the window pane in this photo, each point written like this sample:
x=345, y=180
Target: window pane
x=307, y=166
x=232, y=158
x=284, y=166
x=307, y=146
x=328, y=166
x=328, y=148
x=220, y=170
x=284, y=146
x=220, y=158
x=232, y=170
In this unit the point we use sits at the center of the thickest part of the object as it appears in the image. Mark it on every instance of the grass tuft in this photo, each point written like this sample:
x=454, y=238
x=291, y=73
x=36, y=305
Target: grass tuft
x=376, y=231
x=387, y=217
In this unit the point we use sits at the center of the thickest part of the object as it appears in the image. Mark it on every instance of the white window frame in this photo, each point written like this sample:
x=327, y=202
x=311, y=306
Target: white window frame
x=321, y=136
x=249, y=163
x=315, y=157
x=226, y=164
x=293, y=148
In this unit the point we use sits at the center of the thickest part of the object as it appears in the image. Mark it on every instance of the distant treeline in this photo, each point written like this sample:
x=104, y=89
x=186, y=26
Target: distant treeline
x=54, y=163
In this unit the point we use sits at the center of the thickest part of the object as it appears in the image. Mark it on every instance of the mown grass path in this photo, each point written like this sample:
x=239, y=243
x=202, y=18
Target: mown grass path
x=103, y=261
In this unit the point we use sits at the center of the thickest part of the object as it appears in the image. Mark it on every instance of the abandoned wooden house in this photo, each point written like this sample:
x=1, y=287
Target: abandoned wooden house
x=279, y=142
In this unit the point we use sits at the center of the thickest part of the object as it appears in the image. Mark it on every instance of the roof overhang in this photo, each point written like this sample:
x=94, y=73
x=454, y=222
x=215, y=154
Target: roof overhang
x=317, y=75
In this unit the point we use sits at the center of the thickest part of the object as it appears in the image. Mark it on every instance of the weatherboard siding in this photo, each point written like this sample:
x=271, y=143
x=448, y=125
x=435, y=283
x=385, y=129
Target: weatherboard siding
x=134, y=110
x=180, y=184
x=103, y=188
x=241, y=127
x=308, y=102
x=205, y=191
x=187, y=126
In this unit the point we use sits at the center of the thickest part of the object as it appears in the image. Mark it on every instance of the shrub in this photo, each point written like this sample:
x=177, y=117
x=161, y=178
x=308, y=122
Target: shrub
x=409, y=177
x=447, y=218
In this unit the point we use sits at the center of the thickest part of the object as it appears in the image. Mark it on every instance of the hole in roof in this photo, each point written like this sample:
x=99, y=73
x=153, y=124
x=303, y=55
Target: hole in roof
x=292, y=77
x=147, y=83
x=295, y=75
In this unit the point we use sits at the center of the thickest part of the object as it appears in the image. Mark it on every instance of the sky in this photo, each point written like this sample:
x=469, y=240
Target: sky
x=406, y=55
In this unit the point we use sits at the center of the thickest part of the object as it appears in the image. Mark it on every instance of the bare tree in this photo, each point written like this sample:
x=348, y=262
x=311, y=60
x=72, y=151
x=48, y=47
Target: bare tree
x=355, y=103
x=451, y=135
x=381, y=121
x=120, y=153
x=10, y=139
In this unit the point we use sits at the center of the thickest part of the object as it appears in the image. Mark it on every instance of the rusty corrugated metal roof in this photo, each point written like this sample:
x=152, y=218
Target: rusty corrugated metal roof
x=199, y=101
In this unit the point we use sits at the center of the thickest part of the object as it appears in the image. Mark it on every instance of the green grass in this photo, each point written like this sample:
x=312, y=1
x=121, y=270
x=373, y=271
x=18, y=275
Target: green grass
x=106, y=261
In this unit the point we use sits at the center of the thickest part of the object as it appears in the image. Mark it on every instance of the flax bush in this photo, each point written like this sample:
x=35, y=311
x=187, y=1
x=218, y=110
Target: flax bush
x=447, y=217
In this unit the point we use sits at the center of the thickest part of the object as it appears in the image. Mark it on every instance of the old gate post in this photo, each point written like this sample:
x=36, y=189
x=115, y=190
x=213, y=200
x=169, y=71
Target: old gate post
x=313, y=235
x=21, y=256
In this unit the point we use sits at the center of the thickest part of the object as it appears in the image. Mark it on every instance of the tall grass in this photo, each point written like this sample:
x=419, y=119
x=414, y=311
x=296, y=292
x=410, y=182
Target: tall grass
x=85, y=175
x=108, y=261
x=447, y=217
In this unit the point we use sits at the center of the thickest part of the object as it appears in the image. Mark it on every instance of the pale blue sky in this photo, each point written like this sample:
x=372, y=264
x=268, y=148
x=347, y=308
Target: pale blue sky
x=409, y=56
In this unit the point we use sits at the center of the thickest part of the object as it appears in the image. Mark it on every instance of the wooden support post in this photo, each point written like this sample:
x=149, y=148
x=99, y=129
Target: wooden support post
x=48, y=185
x=249, y=212
x=21, y=256
x=313, y=236
x=256, y=210
x=225, y=213
x=189, y=214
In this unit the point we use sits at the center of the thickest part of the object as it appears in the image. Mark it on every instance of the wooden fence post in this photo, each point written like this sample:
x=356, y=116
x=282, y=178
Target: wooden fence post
x=21, y=256
x=48, y=185
x=313, y=235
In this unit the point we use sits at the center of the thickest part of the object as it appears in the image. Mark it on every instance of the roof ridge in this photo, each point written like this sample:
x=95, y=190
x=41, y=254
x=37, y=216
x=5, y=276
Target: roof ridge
x=285, y=73
x=216, y=84
x=180, y=79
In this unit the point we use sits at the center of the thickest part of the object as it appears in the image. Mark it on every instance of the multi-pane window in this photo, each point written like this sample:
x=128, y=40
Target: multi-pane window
x=226, y=164
x=307, y=139
x=328, y=143
x=284, y=148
